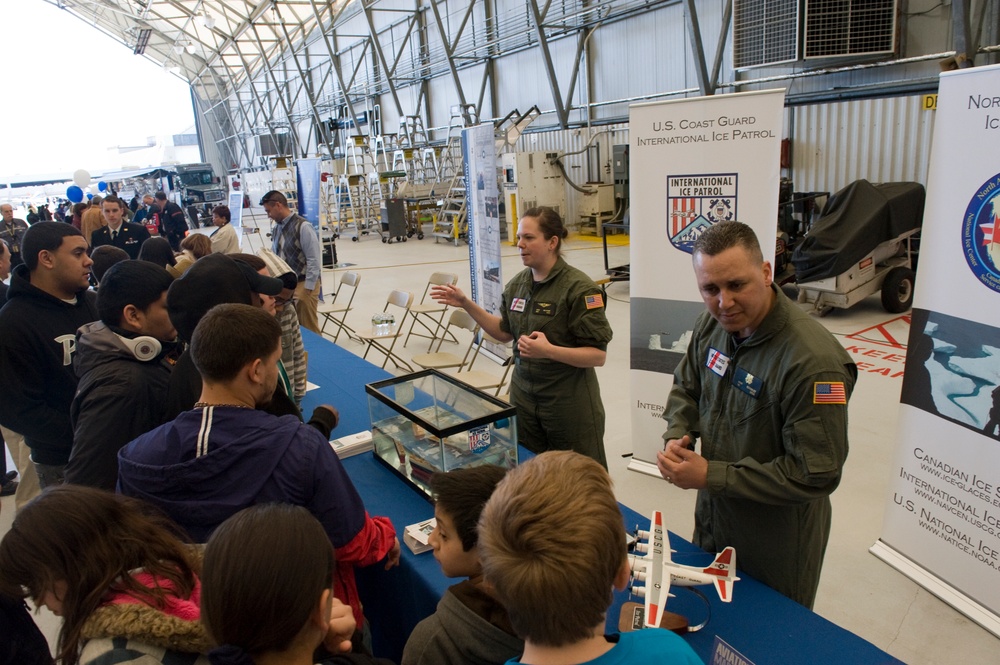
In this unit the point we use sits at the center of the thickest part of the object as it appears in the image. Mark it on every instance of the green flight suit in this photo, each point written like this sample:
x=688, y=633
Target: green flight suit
x=775, y=456
x=558, y=406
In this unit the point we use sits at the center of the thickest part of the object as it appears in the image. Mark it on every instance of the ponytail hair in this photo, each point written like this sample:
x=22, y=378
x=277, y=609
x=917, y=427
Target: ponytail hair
x=264, y=571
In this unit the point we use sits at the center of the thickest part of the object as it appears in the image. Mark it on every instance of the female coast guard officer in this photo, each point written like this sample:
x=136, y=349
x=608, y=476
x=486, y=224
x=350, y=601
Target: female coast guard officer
x=556, y=315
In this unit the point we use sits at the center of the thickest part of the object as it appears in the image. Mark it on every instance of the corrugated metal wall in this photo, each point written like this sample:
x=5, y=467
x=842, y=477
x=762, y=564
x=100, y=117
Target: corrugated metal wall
x=881, y=140
x=834, y=144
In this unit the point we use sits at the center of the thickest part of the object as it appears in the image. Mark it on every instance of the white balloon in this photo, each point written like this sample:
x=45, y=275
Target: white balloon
x=81, y=177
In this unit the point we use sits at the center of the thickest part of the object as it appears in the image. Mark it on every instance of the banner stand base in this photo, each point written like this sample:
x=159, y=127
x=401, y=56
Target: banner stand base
x=641, y=466
x=934, y=584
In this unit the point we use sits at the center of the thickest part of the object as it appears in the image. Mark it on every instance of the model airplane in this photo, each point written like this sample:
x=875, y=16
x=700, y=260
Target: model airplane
x=653, y=566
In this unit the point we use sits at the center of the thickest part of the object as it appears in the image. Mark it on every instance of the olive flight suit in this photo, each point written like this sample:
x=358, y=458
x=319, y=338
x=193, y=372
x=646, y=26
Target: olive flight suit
x=558, y=406
x=772, y=416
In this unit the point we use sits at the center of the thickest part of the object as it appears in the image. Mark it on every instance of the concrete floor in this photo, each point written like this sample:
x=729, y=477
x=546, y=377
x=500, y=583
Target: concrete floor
x=857, y=591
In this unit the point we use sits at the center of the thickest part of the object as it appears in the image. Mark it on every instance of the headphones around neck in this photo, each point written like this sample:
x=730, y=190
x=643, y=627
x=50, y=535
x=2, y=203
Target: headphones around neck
x=143, y=347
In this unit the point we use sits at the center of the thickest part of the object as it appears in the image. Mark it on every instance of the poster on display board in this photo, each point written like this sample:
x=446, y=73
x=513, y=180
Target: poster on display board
x=942, y=514
x=693, y=163
x=236, y=210
x=308, y=176
x=483, y=214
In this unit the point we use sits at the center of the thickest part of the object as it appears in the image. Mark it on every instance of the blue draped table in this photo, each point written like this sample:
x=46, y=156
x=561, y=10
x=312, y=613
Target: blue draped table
x=761, y=624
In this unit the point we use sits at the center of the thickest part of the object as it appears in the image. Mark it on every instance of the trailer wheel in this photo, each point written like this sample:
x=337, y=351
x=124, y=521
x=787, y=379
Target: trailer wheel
x=897, y=290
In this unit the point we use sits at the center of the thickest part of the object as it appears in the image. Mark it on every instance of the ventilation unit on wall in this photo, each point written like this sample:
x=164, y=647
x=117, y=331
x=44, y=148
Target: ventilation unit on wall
x=766, y=32
x=849, y=27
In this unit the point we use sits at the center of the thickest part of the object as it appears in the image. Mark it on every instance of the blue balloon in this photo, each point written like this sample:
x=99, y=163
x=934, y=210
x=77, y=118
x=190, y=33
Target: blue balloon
x=89, y=196
x=74, y=194
x=102, y=186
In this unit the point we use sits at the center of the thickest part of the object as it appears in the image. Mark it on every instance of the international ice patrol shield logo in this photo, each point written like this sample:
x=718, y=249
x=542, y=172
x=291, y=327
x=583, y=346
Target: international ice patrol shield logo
x=981, y=233
x=695, y=202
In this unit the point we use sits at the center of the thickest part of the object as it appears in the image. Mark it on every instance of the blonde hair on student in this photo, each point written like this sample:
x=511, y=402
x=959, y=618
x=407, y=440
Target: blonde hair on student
x=552, y=541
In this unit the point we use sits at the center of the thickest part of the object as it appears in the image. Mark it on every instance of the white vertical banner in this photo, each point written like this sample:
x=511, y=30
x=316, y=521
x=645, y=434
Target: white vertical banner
x=942, y=516
x=483, y=214
x=692, y=163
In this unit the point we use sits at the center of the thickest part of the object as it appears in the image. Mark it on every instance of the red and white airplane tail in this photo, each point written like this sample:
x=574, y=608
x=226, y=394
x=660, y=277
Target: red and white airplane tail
x=724, y=570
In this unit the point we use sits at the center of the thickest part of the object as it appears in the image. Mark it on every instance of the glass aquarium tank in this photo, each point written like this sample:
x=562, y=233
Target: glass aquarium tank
x=427, y=422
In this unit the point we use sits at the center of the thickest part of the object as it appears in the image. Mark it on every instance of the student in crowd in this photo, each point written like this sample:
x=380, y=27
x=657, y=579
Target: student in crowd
x=275, y=604
x=48, y=300
x=124, y=363
x=104, y=257
x=21, y=642
x=92, y=218
x=552, y=541
x=293, y=351
x=157, y=250
x=226, y=454
x=77, y=217
x=470, y=627
x=193, y=247
x=214, y=280
x=8, y=484
x=123, y=582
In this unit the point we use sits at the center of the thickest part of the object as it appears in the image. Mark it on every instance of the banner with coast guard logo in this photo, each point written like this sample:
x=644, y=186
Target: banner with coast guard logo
x=942, y=514
x=693, y=163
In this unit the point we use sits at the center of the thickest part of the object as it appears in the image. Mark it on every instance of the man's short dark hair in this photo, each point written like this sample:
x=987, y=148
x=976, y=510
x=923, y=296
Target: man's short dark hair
x=274, y=196
x=136, y=283
x=44, y=236
x=462, y=493
x=230, y=337
x=104, y=257
x=726, y=235
x=160, y=196
x=114, y=199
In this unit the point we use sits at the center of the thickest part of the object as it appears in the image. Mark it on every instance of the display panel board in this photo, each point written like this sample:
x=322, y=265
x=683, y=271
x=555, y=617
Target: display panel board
x=308, y=174
x=483, y=214
x=693, y=163
x=942, y=514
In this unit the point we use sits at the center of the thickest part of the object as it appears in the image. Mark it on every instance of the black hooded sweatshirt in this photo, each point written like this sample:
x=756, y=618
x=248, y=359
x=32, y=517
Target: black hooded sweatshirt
x=37, y=342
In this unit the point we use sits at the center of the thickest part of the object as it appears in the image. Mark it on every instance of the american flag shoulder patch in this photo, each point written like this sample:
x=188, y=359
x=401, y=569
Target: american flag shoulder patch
x=829, y=392
x=594, y=301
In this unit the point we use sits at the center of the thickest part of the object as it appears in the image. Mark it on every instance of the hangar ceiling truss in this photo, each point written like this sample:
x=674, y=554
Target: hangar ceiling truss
x=289, y=72
x=301, y=67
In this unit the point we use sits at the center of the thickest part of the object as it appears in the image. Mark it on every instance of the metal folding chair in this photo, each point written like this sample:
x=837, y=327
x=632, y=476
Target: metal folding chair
x=482, y=380
x=428, y=313
x=459, y=318
x=336, y=313
x=377, y=340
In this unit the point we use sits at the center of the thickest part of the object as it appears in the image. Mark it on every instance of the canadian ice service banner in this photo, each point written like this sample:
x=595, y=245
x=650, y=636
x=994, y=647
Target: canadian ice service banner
x=942, y=515
x=483, y=214
x=693, y=163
